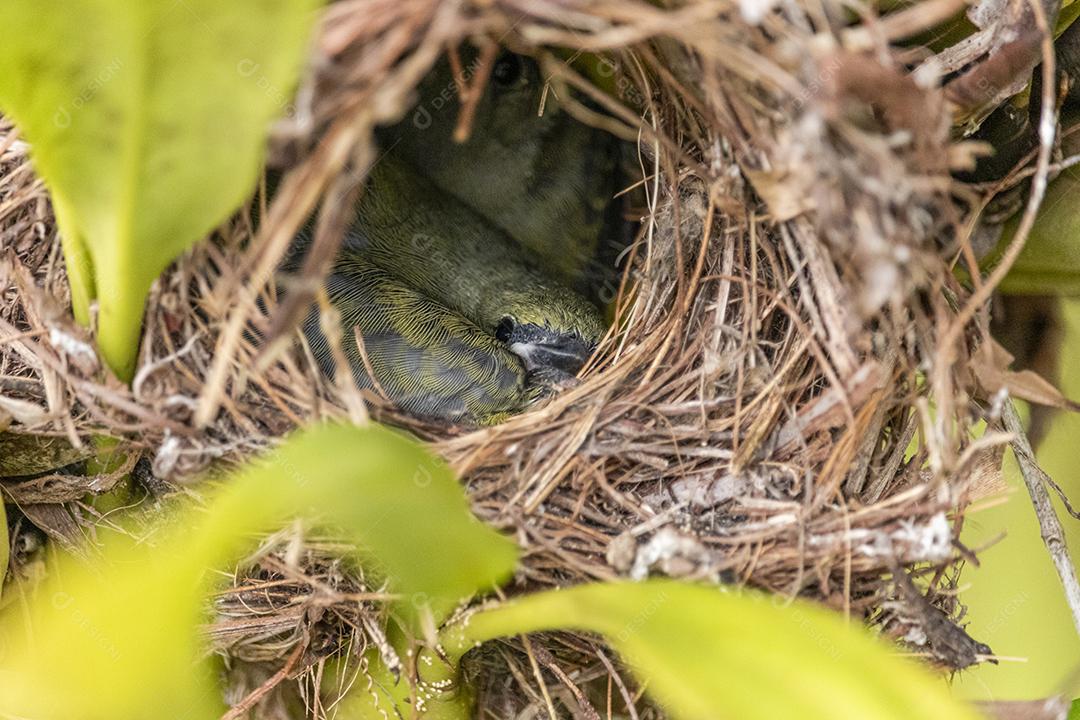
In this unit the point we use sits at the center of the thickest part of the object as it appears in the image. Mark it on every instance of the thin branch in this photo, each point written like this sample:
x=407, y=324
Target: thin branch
x=241, y=708
x=1049, y=525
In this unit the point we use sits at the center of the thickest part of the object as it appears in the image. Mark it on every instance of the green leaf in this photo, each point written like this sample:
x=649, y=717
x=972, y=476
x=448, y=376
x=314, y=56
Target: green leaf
x=120, y=639
x=1050, y=260
x=1070, y=10
x=400, y=503
x=147, y=122
x=708, y=653
x=1074, y=711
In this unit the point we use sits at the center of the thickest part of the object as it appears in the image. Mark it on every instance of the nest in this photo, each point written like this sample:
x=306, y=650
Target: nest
x=784, y=403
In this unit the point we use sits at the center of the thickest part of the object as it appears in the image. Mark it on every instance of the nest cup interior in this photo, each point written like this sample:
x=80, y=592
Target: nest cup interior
x=473, y=279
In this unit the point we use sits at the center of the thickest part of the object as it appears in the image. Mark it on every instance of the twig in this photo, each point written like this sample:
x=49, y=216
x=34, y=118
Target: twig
x=539, y=677
x=544, y=656
x=1049, y=524
x=238, y=710
x=627, y=698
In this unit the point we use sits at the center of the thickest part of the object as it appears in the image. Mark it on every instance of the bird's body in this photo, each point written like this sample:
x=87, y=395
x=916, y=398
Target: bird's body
x=452, y=254
x=545, y=179
x=428, y=359
x=463, y=314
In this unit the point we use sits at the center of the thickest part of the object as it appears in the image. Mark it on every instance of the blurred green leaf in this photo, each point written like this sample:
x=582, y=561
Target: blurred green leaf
x=1050, y=260
x=707, y=653
x=1014, y=598
x=382, y=696
x=119, y=640
x=148, y=121
x=1074, y=711
x=1070, y=10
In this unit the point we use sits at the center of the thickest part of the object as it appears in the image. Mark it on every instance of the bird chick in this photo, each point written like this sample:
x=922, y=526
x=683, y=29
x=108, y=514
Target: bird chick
x=452, y=286
x=528, y=166
x=457, y=320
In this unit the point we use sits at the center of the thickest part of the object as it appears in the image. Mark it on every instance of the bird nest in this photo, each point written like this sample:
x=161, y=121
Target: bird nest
x=786, y=398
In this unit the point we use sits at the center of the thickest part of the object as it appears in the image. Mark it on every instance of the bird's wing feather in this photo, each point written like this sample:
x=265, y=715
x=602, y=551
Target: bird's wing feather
x=428, y=359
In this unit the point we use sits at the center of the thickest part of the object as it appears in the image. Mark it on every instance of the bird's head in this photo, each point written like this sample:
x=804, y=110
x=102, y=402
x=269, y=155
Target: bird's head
x=506, y=118
x=552, y=330
x=527, y=166
x=514, y=151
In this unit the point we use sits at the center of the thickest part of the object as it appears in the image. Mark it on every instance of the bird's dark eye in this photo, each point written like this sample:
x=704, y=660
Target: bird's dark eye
x=505, y=329
x=508, y=71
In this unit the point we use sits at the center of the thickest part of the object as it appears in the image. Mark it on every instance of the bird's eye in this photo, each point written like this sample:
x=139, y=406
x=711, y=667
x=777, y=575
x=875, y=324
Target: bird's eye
x=505, y=329
x=509, y=70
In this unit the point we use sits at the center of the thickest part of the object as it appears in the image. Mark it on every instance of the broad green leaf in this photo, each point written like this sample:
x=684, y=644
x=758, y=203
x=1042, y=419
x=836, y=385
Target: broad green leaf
x=1050, y=260
x=1074, y=711
x=404, y=506
x=379, y=695
x=707, y=653
x=1070, y=10
x=147, y=122
x=120, y=640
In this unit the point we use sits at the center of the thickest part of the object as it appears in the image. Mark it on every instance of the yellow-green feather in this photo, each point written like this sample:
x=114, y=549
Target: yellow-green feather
x=431, y=242
x=428, y=359
x=450, y=239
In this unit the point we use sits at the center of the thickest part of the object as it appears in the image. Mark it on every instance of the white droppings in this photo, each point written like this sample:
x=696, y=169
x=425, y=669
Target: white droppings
x=76, y=349
x=677, y=555
x=702, y=491
x=932, y=541
x=915, y=636
x=910, y=541
x=754, y=11
x=167, y=456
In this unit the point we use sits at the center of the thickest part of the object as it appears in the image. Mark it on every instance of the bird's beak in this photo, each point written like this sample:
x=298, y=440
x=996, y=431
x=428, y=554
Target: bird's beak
x=563, y=353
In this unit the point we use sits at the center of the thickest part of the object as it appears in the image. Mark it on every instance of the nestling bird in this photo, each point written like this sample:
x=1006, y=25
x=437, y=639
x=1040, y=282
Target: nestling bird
x=544, y=178
x=456, y=271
